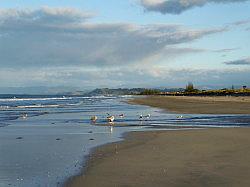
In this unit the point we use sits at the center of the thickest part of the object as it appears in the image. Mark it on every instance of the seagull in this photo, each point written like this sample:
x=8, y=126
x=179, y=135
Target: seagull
x=147, y=116
x=141, y=117
x=24, y=116
x=180, y=117
x=121, y=115
x=110, y=118
x=93, y=118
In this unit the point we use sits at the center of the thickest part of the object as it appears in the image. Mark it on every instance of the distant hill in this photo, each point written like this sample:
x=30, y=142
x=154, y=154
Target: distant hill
x=72, y=91
x=118, y=91
x=127, y=91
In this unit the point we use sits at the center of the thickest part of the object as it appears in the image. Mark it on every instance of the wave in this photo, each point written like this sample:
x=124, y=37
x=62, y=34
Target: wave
x=96, y=97
x=38, y=106
x=41, y=106
x=35, y=99
x=56, y=98
x=74, y=104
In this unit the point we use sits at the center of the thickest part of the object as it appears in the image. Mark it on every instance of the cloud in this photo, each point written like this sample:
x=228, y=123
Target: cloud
x=123, y=77
x=65, y=37
x=241, y=22
x=245, y=61
x=179, y=6
x=226, y=50
x=44, y=15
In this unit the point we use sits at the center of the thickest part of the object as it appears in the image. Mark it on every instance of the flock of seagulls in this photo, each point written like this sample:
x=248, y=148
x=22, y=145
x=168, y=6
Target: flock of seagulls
x=111, y=118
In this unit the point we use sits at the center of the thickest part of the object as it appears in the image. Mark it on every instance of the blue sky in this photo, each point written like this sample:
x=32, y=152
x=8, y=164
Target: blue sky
x=124, y=43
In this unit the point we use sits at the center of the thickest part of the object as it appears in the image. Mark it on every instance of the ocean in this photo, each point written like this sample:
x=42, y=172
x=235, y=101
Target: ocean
x=44, y=140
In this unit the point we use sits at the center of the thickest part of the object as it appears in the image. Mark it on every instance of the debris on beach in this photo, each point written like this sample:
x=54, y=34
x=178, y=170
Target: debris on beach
x=19, y=138
x=58, y=139
x=91, y=139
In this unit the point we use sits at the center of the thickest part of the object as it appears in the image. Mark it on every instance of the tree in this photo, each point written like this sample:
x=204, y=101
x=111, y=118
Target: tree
x=150, y=92
x=190, y=87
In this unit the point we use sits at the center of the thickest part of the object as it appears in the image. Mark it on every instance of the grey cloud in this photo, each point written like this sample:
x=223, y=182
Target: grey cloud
x=245, y=61
x=64, y=37
x=44, y=15
x=241, y=22
x=225, y=50
x=179, y=6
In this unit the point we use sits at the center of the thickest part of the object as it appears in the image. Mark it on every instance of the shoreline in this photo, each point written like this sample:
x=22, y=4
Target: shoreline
x=208, y=157
x=110, y=149
x=93, y=154
x=196, y=104
x=122, y=163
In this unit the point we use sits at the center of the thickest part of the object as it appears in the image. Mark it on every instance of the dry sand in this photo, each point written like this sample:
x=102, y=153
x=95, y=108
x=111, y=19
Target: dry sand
x=197, y=105
x=210, y=157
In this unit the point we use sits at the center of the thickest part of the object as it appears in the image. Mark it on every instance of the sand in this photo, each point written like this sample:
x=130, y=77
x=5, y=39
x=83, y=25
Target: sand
x=197, y=105
x=182, y=158
x=209, y=157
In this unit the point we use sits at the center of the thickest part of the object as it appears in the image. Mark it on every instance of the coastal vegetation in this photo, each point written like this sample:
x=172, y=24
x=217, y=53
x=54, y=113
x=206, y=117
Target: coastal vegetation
x=189, y=90
x=150, y=92
x=192, y=91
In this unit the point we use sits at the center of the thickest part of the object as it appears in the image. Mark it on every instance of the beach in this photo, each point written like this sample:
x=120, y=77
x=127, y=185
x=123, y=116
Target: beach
x=208, y=157
x=197, y=105
x=45, y=140
x=65, y=144
x=203, y=157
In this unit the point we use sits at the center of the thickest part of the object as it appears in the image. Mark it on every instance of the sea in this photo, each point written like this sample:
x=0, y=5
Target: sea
x=45, y=140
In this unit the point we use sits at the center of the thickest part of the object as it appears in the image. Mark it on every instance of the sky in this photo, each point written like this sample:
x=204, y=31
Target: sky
x=124, y=43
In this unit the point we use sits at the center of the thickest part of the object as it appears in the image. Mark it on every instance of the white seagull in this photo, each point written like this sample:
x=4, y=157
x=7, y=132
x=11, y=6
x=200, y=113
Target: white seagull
x=111, y=118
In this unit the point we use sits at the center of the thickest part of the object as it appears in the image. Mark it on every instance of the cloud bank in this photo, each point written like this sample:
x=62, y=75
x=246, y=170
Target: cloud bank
x=179, y=6
x=123, y=77
x=65, y=37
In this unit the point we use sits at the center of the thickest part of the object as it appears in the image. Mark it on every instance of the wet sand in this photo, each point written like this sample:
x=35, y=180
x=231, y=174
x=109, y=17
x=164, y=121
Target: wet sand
x=204, y=157
x=209, y=157
x=197, y=105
